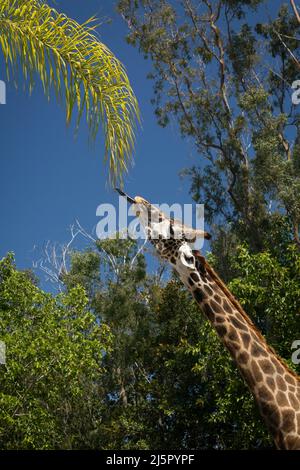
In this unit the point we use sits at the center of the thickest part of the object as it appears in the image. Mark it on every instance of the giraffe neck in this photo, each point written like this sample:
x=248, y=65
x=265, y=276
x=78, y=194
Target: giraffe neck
x=275, y=388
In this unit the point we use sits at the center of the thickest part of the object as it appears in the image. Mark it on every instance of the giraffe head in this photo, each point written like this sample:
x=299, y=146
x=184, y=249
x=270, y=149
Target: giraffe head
x=171, y=238
x=158, y=225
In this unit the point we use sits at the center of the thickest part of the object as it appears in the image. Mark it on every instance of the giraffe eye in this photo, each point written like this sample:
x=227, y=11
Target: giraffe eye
x=189, y=259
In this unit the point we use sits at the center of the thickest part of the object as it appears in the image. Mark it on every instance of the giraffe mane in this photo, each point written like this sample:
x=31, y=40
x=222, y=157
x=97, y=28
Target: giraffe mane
x=240, y=309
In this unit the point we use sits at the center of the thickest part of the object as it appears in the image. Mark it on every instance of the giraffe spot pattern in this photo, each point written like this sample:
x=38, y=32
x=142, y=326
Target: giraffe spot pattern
x=270, y=382
x=281, y=383
x=288, y=420
x=267, y=367
x=278, y=366
x=233, y=348
x=268, y=409
x=220, y=319
x=250, y=379
x=281, y=399
x=293, y=401
x=264, y=394
x=290, y=379
x=274, y=418
x=221, y=330
x=298, y=421
x=195, y=277
x=257, y=350
x=279, y=440
x=238, y=324
x=209, y=312
x=198, y=295
x=246, y=339
x=208, y=290
x=226, y=306
x=232, y=335
x=243, y=357
x=256, y=371
x=216, y=307
x=292, y=442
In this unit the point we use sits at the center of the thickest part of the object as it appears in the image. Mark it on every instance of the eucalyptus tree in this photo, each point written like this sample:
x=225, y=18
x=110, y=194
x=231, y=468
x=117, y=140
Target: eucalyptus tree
x=222, y=71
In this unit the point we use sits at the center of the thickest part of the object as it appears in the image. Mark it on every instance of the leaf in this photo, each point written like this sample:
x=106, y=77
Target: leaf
x=71, y=59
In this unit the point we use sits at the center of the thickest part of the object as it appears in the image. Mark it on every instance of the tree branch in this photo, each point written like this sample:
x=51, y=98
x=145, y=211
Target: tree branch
x=295, y=10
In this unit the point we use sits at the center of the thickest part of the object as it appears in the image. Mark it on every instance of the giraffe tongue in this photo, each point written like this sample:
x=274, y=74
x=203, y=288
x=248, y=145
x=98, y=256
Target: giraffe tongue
x=129, y=199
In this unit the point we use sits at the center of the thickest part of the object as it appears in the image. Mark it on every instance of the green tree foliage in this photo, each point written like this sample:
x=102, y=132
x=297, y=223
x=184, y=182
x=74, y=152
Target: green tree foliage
x=269, y=290
x=223, y=70
x=68, y=56
x=168, y=381
x=122, y=360
x=50, y=388
x=119, y=299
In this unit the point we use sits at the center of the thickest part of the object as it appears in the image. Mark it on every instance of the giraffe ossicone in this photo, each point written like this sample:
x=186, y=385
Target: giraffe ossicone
x=274, y=386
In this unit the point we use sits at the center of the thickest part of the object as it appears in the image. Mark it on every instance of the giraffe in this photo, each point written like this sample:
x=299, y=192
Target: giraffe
x=274, y=386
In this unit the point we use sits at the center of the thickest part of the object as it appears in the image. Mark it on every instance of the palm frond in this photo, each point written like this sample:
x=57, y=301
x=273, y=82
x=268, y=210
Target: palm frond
x=83, y=71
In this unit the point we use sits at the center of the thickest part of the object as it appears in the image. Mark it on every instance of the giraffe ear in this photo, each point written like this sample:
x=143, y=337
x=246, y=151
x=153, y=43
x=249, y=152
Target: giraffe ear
x=172, y=232
x=192, y=234
x=201, y=233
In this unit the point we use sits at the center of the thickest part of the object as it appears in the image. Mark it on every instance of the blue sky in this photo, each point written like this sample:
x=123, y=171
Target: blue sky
x=48, y=178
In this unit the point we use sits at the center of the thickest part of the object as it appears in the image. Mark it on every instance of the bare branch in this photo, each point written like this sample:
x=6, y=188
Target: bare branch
x=295, y=10
x=55, y=258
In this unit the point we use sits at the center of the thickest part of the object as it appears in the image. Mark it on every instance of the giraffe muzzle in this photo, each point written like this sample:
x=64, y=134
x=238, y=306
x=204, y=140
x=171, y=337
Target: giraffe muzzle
x=128, y=198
